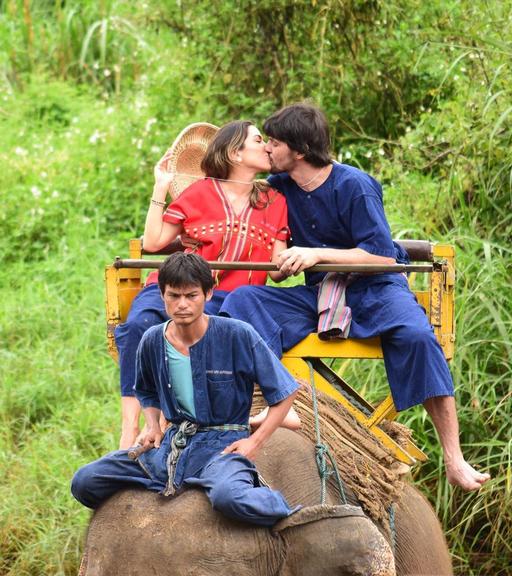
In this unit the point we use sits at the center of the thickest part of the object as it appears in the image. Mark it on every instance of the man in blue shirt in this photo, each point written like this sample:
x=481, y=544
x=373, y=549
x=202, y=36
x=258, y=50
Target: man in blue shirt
x=336, y=215
x=200, y=372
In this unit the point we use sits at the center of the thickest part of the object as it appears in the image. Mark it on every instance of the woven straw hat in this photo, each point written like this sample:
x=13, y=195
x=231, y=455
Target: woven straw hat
x=185, y=155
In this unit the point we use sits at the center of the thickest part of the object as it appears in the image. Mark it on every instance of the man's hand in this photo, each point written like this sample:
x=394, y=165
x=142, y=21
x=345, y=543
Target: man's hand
x=247, y=447
x=139, y=441
x=152, y=438
x=293, y=261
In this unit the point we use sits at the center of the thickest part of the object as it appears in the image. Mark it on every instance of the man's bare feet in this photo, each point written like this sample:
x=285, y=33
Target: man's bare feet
x=291, y=420
x=462, y=474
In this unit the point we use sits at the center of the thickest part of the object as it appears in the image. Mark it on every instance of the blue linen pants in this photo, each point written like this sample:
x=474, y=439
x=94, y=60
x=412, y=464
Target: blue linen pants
x=229, y=480
x=147, y=310
x=415, y=364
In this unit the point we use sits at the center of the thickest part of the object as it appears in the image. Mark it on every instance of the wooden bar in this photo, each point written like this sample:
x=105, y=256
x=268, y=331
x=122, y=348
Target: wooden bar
x=268, y=266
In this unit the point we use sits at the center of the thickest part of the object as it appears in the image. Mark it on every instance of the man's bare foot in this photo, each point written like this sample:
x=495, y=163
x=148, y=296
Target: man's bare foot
x=128, y=438
x=291, y=420
x=462, y=474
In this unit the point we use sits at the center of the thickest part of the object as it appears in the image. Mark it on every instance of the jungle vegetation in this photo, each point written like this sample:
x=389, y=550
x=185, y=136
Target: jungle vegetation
x=92, y=93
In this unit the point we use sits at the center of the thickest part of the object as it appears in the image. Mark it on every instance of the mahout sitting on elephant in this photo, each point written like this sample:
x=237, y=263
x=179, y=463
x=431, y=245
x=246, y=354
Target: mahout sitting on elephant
x=138, y=532
x=199, y=371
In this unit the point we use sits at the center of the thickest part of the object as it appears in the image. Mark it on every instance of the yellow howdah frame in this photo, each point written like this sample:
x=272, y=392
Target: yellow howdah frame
x=123, y=284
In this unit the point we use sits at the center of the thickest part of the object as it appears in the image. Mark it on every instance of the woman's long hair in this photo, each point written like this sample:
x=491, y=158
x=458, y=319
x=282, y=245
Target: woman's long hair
x=217, y=161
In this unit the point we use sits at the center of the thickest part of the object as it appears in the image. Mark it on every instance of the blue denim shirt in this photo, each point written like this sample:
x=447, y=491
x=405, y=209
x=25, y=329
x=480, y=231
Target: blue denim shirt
x=345, y=212
x=226, y=363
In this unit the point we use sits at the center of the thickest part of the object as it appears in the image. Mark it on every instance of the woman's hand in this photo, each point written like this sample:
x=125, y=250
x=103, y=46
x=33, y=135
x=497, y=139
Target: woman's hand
x=189, y=242
x=163, y=178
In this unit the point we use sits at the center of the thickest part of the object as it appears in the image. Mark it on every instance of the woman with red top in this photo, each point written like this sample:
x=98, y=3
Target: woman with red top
x=227, y=216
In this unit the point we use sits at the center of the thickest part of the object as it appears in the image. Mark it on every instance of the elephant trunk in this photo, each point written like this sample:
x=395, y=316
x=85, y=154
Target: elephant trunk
x=325, y=540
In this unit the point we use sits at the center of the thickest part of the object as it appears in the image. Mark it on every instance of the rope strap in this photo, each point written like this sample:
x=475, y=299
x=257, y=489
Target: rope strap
x=392, y=528
x=325, y=469
x=179, y=441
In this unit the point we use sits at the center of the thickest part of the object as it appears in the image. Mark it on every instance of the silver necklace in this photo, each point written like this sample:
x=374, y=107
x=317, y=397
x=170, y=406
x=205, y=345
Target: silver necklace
x=199, y=177
x=303, y=186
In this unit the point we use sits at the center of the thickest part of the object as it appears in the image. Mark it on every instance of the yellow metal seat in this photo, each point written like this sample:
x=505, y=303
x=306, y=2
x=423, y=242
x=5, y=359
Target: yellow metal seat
x=438, y=301
x=436, y=296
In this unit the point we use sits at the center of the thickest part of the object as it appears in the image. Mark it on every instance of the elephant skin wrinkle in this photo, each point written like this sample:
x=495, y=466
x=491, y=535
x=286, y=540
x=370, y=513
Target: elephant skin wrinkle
x=318, y=512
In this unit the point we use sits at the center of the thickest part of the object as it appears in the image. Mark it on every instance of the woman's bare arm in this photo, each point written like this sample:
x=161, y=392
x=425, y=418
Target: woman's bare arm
x=279, y=246
x=157, y=233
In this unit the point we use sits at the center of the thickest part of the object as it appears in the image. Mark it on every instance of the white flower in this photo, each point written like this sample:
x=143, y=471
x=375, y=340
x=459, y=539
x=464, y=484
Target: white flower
x=36, y=193
x=368, y=154
x=107, y=72
x=381, y=152
x=150, y=123
x=55, y=194
x=348, y=155
x=95, y=136
x=19, y=151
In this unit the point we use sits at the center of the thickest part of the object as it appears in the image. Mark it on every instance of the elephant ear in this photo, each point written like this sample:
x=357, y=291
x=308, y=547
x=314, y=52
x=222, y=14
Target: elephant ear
x=323, y=540
x=318, y=512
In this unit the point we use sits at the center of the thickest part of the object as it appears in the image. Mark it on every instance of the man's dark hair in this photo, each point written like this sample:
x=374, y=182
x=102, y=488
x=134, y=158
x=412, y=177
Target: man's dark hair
x=304, y=128
x=182, y=269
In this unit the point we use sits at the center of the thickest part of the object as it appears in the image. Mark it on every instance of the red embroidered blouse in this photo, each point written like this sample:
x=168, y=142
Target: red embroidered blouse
x=205, y=213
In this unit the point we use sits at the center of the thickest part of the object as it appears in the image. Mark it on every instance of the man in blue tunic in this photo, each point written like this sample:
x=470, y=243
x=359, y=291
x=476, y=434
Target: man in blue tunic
x=336, y=215
x=200, y=372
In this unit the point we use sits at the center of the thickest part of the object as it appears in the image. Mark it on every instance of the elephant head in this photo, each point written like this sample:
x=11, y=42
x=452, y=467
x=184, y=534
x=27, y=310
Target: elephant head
x=138, y=532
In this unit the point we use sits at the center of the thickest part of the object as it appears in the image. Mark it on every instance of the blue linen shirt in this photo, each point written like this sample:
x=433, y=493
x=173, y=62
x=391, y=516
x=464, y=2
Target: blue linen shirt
x=345, y=212
x=226, y=363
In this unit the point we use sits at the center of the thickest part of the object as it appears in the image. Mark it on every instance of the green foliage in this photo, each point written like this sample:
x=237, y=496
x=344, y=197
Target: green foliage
x=93, y=93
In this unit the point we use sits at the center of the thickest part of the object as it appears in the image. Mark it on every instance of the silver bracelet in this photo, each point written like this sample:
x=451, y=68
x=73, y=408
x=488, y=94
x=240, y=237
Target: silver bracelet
x=158, y=203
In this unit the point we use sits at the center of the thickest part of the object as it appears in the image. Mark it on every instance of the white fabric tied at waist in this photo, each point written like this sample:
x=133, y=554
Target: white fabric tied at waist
x=334, y=316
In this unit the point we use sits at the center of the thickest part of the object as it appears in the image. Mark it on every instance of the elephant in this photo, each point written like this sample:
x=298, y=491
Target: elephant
x=138, y=532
